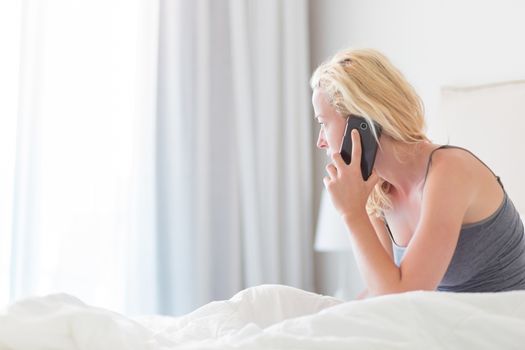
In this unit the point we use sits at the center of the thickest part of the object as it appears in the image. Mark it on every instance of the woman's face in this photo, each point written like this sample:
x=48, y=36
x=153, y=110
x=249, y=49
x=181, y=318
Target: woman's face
x=333, y=124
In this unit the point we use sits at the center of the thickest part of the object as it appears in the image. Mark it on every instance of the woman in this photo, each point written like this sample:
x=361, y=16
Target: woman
x=429, y=217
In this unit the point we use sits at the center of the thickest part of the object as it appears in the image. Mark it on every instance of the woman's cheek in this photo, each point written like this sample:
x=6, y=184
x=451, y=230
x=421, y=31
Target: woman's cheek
x=336, y=142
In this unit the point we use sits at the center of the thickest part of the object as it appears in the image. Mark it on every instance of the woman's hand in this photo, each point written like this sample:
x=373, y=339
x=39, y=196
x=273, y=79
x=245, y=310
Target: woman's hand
x=348, y=191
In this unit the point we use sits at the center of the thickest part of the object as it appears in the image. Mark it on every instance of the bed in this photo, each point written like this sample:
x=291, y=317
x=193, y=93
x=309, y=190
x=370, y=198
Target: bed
x=281, y=317
x=278, y=317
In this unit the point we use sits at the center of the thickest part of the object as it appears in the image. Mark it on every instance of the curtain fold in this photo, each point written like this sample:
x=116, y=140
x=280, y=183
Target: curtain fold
x=235, y=147
x=270, y=60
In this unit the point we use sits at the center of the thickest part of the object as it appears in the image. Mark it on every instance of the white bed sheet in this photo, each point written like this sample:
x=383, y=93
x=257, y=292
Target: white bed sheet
x=277, y=317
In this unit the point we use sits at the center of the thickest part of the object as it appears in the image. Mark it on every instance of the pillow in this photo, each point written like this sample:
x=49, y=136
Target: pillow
x=489, y=120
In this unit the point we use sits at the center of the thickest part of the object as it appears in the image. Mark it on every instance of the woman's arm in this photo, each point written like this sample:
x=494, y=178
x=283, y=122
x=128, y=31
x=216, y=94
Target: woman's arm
x=384, y=238
x=379, y=272
x=448, y=192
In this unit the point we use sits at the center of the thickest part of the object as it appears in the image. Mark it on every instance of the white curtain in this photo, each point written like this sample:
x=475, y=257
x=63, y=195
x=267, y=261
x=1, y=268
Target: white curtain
x=236, y=151
x=10, y=19
x=83, y=201
x=162, y=156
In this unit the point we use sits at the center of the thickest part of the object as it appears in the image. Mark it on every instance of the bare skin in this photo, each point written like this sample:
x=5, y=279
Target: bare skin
x=426, y=216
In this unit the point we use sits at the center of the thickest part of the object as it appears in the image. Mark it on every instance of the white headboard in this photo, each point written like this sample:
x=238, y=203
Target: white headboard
x=489, y=120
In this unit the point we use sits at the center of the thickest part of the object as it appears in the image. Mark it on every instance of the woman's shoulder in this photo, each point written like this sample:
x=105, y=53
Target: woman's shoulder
x=454, y=160
x=462, y=169
x=453, y=170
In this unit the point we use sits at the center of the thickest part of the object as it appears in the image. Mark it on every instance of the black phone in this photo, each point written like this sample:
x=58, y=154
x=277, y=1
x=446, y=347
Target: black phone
x=368, y=143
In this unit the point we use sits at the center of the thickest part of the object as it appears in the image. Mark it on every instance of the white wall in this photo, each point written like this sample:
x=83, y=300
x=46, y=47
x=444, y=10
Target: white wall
x=434, y=43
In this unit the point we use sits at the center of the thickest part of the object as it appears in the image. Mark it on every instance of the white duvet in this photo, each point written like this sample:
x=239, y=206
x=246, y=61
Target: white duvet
x=277, y=317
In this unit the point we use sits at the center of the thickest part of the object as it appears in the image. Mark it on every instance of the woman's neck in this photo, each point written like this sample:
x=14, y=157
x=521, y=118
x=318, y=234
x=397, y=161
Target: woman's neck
x=403, y=165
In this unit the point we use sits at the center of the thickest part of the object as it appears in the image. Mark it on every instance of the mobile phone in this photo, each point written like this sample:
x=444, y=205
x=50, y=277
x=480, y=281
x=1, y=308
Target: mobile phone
x=368, y=143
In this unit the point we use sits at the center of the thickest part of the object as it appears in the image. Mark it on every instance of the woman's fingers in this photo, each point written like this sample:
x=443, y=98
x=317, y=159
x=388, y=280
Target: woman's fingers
x=331, y=170
x=372, y=179
x=338, y=161
x=356, y=147
x=326, y=181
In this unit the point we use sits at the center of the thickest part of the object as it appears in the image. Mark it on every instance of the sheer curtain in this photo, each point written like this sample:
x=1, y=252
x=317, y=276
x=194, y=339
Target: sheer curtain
x=83, y=201
x=235, y=148
x=162, y=156
x=10, y=18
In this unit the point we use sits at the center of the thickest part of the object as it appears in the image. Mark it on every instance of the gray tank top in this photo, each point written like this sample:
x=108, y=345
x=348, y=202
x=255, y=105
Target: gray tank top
x=489, y=255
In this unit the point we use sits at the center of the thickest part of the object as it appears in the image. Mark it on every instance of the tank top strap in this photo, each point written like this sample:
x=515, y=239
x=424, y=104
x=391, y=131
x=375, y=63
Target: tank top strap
x=464, y=149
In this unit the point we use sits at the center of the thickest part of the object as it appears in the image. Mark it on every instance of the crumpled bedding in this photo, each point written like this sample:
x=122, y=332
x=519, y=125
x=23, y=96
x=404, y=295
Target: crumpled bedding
x=277, y=317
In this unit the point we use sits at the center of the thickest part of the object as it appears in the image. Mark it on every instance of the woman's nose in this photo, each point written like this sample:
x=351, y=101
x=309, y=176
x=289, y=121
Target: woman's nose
x=321, y=142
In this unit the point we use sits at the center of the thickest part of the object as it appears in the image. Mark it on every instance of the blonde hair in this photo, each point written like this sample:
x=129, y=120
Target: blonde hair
x=364, y=82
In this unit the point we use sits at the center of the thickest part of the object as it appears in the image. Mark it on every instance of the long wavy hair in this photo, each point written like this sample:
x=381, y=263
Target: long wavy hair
x=364, y=82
